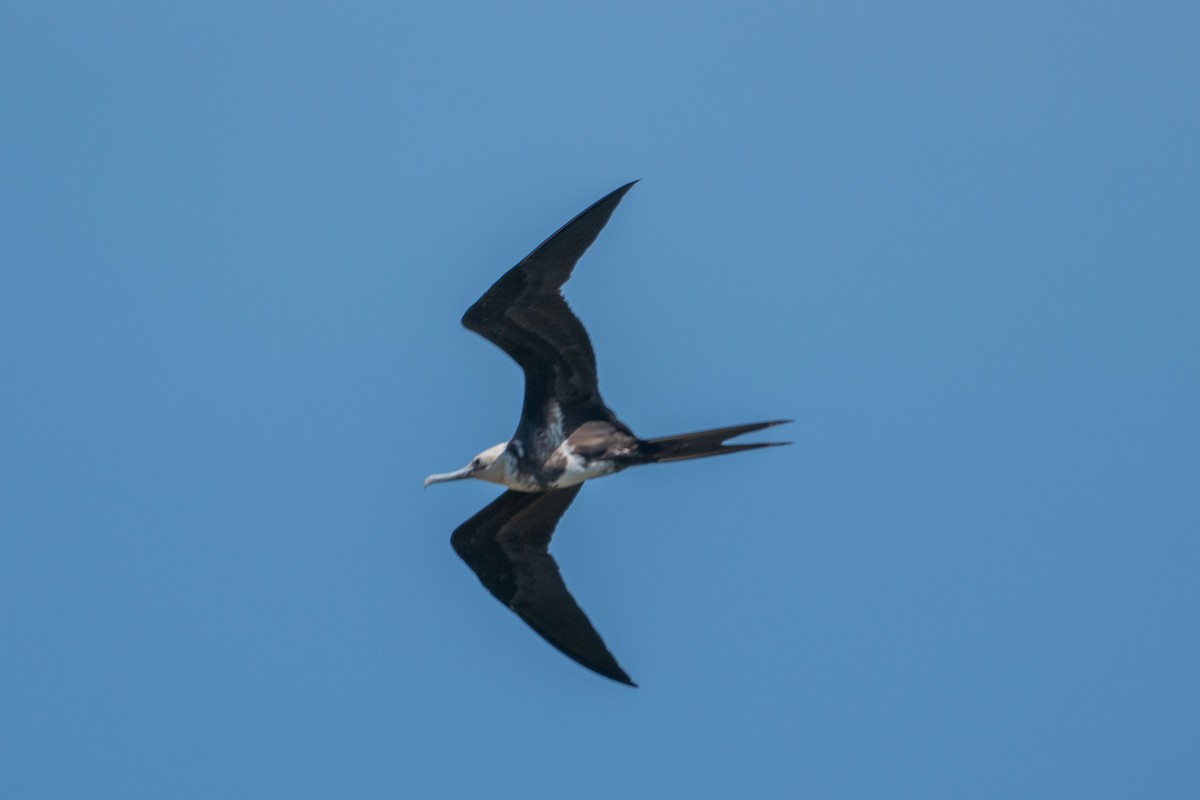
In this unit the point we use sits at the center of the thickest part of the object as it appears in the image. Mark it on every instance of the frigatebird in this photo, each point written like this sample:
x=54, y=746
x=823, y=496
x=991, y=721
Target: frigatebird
x=566, y=435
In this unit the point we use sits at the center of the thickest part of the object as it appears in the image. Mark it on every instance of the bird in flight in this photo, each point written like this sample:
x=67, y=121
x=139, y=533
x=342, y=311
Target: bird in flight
x=566, y=435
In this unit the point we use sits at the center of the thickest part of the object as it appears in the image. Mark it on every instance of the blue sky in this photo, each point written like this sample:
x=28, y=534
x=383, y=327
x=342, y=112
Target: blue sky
x=957, y=243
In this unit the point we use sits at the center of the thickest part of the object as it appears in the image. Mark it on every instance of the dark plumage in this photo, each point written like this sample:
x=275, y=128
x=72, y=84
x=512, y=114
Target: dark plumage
x=566, y=435
x=526, y=316
x=507, y=545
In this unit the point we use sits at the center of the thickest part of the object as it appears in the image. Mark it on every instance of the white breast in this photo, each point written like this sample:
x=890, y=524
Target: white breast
x=578, y=470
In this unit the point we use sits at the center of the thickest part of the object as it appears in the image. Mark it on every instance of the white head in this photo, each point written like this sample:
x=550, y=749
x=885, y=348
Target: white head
x=487, y=466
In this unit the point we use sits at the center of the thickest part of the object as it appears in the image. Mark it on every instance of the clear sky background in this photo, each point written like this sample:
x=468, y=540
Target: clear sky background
x=958, y=243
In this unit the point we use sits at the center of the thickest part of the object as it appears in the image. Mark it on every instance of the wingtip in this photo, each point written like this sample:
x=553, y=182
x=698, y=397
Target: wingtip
x=612, y=671
x=624, y=680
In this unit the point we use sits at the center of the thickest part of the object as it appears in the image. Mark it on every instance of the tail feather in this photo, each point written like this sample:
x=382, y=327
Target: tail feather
x=702, y=444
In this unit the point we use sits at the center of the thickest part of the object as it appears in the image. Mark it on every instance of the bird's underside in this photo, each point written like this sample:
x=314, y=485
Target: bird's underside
x=566, y=435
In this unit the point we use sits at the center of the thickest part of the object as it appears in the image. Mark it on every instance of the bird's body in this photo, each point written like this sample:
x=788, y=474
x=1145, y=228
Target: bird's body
x=566, y=436
x=555, y=459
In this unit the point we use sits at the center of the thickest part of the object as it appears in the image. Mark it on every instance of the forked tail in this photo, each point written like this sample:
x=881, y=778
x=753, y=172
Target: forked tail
x=705, y=443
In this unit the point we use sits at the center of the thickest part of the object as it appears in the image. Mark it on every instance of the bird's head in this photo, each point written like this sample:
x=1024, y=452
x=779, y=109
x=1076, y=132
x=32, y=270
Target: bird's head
x=487, y=466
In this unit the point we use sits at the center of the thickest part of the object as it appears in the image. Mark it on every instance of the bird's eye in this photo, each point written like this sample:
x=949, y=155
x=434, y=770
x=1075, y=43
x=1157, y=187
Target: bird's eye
x=475, y=464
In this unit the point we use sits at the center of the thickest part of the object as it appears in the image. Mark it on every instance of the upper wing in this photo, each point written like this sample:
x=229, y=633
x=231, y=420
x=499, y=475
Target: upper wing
x=506, y=544
x=524, y=314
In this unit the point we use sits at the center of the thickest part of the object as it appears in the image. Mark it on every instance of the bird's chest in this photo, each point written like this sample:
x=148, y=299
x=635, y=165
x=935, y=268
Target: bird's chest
x=557, y=469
